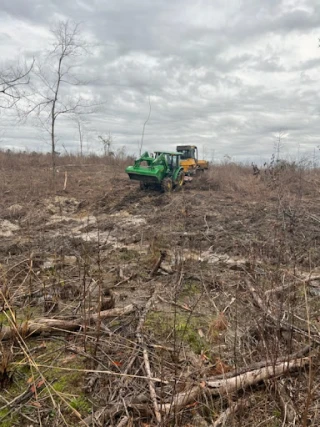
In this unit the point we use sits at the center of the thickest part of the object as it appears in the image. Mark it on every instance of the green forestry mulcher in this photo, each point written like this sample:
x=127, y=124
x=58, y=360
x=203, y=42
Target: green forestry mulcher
x=163, y=171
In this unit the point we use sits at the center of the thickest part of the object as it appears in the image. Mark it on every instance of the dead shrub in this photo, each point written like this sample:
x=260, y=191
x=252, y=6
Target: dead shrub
x=218, y=324
x=299, y=179
x=290, y=178
x=232, y=177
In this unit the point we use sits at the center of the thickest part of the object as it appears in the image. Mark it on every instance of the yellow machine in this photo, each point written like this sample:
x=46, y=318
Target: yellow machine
x=189, y=159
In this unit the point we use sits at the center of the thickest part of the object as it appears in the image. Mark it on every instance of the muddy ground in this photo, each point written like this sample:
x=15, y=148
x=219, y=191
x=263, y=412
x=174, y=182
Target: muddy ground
x=103, y=244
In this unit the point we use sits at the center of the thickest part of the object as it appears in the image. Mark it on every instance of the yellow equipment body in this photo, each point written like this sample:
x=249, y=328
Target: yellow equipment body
x=189, y=165
x=203, y=164
x=189, y=159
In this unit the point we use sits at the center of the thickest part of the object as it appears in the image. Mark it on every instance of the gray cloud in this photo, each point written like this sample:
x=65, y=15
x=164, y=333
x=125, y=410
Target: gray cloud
x=227, y=76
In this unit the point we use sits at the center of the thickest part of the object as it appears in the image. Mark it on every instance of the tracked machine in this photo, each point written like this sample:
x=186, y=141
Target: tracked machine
x=163, y=171
x=189, y=159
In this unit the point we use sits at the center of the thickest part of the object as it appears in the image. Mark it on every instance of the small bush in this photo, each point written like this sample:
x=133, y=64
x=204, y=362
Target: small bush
x=232, y=177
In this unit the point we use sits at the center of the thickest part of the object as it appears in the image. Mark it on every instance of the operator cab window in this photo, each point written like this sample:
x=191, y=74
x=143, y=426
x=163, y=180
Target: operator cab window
x=184, y=154
x=187, y=154
x=174, y=161
x=171, y=161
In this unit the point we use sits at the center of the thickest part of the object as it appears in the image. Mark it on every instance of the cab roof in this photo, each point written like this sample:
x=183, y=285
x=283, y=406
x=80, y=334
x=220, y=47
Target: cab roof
x=185, y=147
x=172, y=153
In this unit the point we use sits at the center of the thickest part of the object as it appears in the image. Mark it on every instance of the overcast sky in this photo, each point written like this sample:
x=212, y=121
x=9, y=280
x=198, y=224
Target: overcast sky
x=227, y=75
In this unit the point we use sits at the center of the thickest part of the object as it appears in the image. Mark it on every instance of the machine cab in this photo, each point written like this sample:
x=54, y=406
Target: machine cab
x=188, y=152
x=172, y=159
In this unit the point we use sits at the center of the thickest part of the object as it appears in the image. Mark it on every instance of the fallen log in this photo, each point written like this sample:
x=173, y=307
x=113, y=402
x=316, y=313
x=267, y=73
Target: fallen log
x=225, y=386
x=247, y=379
x=302, y=279
x=257, y=365
x=43, y=325
x=212, y=386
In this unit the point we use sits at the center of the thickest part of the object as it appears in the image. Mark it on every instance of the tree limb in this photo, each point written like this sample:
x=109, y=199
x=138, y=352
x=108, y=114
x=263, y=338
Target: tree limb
x=37, y=327
x=229, y=385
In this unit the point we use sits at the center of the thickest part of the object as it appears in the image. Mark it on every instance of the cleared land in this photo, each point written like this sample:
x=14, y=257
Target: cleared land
x=121, y=307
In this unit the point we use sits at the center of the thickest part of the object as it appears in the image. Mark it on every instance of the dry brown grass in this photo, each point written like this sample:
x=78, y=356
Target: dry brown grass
x=289, y=178
x=232, y=177
x=27, y=177
x=226, y=228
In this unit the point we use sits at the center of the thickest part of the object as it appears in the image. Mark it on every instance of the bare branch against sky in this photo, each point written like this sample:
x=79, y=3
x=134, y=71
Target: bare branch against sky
x=14, y=81
x=144, y=127
x=56, y=82
x=225, y=75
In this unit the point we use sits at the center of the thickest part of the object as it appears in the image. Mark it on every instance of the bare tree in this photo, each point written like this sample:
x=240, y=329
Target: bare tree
x=278, y=144
x=13, y=81
x=55, y=94
x=80, y=128
x=143, y=128
x=107, y=143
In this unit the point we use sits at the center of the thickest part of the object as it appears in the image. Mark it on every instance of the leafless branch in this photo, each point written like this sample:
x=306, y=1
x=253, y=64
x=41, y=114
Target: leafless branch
x=49, y=101
x=144, y=126
x=11, y=82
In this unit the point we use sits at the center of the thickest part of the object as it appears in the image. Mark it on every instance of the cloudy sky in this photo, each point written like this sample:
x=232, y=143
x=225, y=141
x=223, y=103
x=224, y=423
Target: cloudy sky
x=227, y=75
